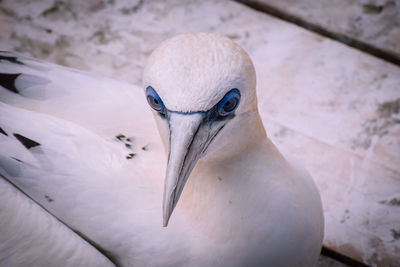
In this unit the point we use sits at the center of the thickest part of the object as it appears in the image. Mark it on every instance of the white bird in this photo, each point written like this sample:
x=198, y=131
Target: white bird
x=83, y=169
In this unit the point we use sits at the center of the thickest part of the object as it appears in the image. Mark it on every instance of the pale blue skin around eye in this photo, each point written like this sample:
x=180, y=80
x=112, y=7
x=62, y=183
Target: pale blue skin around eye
x=232, y=95
x=150, y=92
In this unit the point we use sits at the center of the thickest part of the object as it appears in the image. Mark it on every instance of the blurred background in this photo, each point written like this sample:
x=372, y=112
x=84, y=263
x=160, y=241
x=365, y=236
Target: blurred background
x=328, y=85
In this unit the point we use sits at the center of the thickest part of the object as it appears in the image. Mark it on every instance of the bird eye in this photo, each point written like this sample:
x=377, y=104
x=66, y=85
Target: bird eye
x=154, y=100
x=229, y=102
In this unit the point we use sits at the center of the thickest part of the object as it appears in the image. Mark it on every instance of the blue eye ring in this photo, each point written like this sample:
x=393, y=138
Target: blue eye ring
x=154, y=100
x=229, y=102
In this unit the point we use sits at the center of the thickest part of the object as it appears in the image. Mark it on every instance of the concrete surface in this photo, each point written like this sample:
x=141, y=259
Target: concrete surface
x=372, y=23
x=332, y=107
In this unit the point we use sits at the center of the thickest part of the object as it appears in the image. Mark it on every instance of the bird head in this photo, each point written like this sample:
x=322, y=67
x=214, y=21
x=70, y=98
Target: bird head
x=198, y=86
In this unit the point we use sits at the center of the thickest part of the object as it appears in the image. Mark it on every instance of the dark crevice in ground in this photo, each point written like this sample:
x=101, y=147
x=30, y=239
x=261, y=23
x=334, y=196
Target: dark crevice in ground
x=327, y=252
x=281, y=14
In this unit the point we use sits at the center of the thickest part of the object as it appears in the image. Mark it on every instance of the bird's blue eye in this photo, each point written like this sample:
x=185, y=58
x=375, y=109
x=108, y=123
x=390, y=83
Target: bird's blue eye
x=154, y=100
x=229, y=102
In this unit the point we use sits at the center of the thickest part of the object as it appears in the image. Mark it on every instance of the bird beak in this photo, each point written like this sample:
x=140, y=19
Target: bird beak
x=189, y=135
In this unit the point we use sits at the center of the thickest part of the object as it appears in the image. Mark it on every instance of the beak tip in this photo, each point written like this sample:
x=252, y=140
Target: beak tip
x=165, y=222
x=168, y=207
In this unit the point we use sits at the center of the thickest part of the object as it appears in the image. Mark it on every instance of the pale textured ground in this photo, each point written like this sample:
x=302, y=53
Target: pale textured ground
x=334, y=108
x=372, y=22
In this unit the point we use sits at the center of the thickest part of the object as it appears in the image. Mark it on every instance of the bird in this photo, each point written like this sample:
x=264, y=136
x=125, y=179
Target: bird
x=176, y=172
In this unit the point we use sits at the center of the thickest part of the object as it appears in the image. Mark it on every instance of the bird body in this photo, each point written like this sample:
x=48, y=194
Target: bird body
x=92, y=159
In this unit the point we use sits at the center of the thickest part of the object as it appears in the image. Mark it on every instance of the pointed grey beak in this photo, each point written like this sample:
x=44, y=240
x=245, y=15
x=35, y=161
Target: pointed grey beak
x=190, y=135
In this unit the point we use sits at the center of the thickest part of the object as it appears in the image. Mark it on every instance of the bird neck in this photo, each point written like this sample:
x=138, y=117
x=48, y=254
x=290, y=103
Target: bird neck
x=223, y=182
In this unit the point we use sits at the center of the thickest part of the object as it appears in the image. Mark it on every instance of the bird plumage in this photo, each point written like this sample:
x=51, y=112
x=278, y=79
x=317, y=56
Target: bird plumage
x=99, y=166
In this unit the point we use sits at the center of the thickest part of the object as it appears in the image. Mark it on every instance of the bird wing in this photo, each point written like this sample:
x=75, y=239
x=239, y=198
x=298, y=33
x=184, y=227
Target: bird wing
x=30, y=236
x=79, y=146
x=98, y=103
